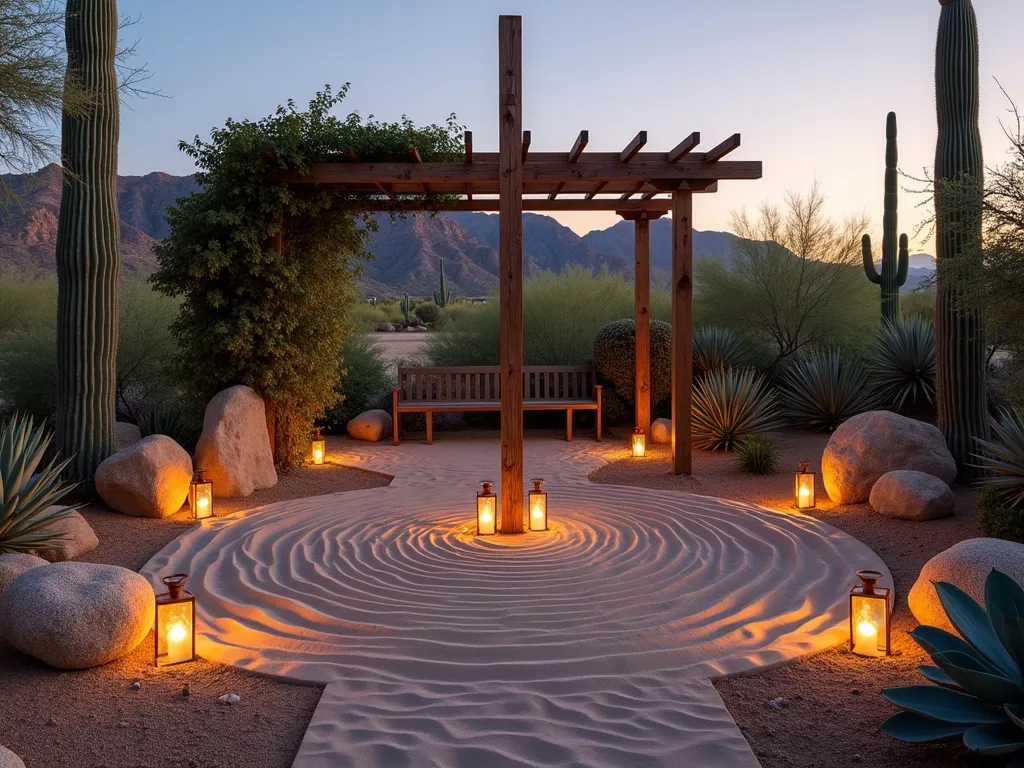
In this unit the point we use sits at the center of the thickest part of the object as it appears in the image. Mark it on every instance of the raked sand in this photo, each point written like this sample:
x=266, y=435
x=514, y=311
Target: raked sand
x=591, y=644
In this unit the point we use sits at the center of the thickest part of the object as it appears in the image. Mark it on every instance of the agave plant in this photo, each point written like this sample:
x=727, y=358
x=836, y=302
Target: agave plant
x=1002, y=460
x=758, y=455
x=980, y=693
x=822, y=390
x=903, y=367
x=729, y=405
x=715, y=348
x=25, y=492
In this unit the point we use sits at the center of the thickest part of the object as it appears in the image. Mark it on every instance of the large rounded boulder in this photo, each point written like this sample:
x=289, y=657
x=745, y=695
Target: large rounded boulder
x=72, y=536
x=661, y=431
x=234, y=449
x=865, y=447
x=147, y=479
x=77, y=615
x=966, y=564
x=13, y=564
x=910, y=495
x=370, y=425
x=9, y=760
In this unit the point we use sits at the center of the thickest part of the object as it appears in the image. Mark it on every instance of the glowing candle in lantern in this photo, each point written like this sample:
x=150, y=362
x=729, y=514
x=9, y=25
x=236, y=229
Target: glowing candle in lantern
x=639, y=443
x=319, y=449
x=200, y=496
x=869, y=616
x=538, y=506
x=175, y=622
x=486, y=510
x=179, y=643
x=803, y=487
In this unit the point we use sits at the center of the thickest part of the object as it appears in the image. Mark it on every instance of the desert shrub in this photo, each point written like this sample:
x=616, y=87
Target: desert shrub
x=429, y=313
x=903, y=363
x=366, y=317
x=729, y=406
x=26, y=303
x=178, y=419
x=758, y=455
x=998, y=518
x=365, y=382
x=717, y=348
x=1001, y=459
x=823, y=389
x=463, y=311
x=28, y=372
x=918, y=305
x=615, y=358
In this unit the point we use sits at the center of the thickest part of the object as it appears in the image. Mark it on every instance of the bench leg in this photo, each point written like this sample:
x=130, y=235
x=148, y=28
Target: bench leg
x=396, y=418
x=430, y=427
x=568, y=424
x=598, y=435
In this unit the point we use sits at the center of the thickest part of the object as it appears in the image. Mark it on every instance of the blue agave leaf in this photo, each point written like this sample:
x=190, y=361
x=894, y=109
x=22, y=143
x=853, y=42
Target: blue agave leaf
x=914, y=729
x=934, y=640
x=970, y=620
x=945, y=705
x=977, y=680
x=937, y=676
x=1010, y=632
x=994, y=740
x=1004, y=594
x=1016, y=714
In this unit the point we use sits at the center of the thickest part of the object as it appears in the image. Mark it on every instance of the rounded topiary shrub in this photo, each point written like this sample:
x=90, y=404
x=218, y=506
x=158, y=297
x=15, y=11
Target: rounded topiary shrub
x=428, y=312
x=998, y=518
x=615, y=358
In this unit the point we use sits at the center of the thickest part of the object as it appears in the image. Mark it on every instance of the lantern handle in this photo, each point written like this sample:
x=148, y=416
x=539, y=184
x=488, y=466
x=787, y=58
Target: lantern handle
x=175, y=584
x=869, y=579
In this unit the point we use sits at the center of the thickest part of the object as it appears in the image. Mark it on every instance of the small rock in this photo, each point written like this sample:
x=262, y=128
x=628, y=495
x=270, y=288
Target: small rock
x=135, y=686
x=661, y=431
x=855, y=692
x=9, y=760
x=857, y=758
x=229, y=698
x=777, y=703
x=51, y=721
x=370, y=425
x=185, y=690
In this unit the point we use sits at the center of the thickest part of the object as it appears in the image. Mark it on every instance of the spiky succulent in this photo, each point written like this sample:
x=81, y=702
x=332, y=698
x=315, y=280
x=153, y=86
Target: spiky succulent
x=758, y=455
x=903, y=366
x=980, y=689
x=717, y=348
x=25, y=492
x=729, y=405
x=1002, y=460
x=823, y=389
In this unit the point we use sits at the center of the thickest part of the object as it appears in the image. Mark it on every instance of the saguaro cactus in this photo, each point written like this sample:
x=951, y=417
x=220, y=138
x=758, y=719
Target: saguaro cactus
x=894, y=269
x=444, y=294
x=959, y=329
x=406, y=306
x=88, y=257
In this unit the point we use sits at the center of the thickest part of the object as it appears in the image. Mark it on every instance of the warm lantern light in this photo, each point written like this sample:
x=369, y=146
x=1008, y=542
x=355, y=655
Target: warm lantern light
x=175, y=623
x=639, y=443
x=538, y=506
x=319, y=451
x=486, y=510
x=869, y=616
x=803, y=487
x=200, y=496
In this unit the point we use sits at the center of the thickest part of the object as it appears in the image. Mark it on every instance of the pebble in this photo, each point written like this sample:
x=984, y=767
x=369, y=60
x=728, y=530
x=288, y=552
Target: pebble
x=855, y=692
x=185, y=690
x=229, y=698
x=135, y=686
x=777, y=703
x=857, y=758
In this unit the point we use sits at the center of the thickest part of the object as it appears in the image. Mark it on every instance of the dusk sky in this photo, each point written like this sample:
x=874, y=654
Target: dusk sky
x=808, y=83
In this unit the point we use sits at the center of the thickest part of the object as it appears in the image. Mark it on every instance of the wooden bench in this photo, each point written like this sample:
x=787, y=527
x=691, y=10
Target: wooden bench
x=478, y=388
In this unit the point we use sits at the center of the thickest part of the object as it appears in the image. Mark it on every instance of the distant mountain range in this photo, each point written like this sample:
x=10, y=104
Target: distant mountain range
x=407, y=253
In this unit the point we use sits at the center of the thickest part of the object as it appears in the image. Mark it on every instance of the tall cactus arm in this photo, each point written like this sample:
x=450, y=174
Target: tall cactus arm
x=869, y=262
x=904, y=261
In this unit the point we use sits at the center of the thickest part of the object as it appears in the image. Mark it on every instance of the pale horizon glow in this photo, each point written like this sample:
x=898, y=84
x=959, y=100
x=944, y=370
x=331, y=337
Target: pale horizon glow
x=807, y=83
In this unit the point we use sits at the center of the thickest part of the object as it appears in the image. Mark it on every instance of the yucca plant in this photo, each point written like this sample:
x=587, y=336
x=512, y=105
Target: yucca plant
x=903, y=366
x=1002, y=460
x=25, y=492
x=822, y=390
x=715, y=348
x=758, y=455
x=980, y=693
x=729, y=405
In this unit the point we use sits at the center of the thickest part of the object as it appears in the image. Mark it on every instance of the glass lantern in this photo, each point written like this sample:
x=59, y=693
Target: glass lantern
x=538, y=506
x=639, y=443
x=803, y=487
x=869, y=616
x=319, y=450
x=486, y=510
x=200, y=496
x=175, y=623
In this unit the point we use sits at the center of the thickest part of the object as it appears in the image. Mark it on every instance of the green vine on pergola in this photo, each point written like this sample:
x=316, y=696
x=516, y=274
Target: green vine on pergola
x=249, y=314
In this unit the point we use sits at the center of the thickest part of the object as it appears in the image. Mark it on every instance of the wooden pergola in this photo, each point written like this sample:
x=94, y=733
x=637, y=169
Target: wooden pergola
x=639, y=186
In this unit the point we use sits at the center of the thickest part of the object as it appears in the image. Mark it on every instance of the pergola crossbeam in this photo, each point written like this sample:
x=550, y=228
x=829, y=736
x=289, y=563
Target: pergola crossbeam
x=468, y=140
x=628, y=195
x=526, y=144
x=574, y=154
x=633, y=147
x=683, y=148
x=596, y=190
x=723, y=149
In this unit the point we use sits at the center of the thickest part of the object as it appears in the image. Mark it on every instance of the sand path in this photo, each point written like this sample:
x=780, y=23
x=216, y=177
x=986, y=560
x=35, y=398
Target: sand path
x=589, y=645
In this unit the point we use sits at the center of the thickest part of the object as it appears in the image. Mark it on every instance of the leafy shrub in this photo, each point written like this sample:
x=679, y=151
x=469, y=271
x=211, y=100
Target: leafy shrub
x=903, y=364
x=429, y=313
x=729, y=406
x=997, y=518
x=175, y=418
x=26, y=303
x=977, y=674
x=758, y=455
x=717, y=348
x=366, y=317
x=27, y=489
x=365, y=382
x=823, y=389
x=615, y=358
x=919, y=305
x=28, y=372
x=1002, y=460
x=462, y=311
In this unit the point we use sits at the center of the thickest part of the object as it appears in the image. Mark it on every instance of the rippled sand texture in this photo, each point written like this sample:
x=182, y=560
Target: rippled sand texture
x=589, y=645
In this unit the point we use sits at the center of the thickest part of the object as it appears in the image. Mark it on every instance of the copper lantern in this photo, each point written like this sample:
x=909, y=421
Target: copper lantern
x=869, y=616
x=639, y=443
x=175, y=622
x=803, y=487
x=486, y=510
x=538, y=504
x=319, y=450
x=200, y=496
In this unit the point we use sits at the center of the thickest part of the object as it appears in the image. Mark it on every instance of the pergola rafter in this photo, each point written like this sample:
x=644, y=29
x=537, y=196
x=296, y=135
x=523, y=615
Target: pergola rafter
x=515, y=179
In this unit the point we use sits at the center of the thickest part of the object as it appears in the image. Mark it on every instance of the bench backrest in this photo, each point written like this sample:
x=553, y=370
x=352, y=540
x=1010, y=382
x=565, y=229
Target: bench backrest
x=482, y=382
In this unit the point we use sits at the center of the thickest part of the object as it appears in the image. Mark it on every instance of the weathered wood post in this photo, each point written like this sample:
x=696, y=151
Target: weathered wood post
x=682, y=330
x=642, y=309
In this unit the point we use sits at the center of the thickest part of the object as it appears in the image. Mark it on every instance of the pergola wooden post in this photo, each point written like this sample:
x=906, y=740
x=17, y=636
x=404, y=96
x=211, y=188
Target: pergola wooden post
x=510, y=268
x=682, y=330
x=642, y=321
